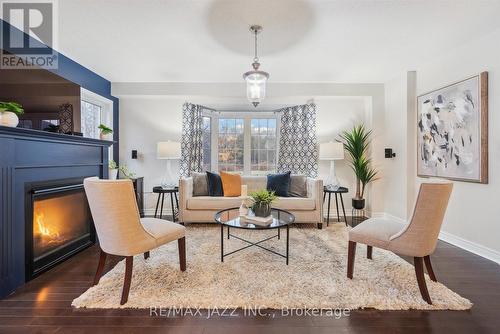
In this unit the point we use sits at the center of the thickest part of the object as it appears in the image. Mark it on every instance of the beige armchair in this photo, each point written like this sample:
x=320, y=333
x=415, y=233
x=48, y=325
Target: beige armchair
x=417, y=239
x=120, y=229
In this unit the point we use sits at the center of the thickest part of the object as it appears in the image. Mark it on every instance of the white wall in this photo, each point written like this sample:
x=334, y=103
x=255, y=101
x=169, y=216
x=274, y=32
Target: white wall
x=472, y=216
x=146, y=120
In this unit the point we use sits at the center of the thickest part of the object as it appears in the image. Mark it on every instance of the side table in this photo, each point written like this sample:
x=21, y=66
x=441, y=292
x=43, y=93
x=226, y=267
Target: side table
x=338, y=192
x=173, y=195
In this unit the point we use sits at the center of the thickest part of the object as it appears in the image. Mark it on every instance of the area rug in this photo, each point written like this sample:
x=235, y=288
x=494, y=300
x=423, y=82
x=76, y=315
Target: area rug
x=254, y=278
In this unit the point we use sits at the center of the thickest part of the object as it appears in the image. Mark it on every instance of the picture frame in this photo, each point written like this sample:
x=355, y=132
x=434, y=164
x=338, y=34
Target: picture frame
x=452, y=131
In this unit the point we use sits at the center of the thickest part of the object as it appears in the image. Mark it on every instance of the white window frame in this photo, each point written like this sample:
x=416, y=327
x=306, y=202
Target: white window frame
x=106, y=109
x=247, y=116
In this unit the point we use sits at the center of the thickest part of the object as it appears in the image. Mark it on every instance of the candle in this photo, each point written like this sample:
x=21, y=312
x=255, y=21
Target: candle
x=244, y=190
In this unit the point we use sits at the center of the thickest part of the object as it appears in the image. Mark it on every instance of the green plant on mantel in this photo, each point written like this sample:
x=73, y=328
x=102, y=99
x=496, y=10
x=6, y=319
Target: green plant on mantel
x=104, y=129
x=126, y=172
x=14, y=107
x=112, y=164
x=356, y=142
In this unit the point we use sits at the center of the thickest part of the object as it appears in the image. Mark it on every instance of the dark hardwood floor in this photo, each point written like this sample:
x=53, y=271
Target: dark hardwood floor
x=44, y=306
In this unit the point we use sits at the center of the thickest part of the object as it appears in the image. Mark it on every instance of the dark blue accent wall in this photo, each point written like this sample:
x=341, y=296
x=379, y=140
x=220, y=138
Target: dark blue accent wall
x=79, y=74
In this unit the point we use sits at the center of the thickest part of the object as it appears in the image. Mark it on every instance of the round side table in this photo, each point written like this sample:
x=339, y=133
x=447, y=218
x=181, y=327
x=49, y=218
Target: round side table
x=173, y=195
x=338, y=192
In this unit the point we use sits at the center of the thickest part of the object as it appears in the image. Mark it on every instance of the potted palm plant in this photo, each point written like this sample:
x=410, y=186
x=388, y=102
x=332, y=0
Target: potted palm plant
x=9, y=112
x=105, y=132
x=262, y=200
x=356, y=142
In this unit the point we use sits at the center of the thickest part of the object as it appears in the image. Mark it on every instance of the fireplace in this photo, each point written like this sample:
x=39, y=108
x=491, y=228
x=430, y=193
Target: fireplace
x=58, y=224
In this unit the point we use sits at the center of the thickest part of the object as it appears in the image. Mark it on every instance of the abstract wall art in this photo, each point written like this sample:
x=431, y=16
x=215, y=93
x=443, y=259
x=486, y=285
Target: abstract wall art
x=452, y=129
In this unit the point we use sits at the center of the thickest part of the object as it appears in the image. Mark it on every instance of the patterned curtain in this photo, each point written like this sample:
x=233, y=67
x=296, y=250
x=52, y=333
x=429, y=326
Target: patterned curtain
x=191, y=139
x=298, y=150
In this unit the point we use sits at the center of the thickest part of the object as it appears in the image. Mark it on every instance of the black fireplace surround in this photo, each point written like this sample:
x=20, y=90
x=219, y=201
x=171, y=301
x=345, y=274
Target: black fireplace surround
x=35, y=169
x=58, y=223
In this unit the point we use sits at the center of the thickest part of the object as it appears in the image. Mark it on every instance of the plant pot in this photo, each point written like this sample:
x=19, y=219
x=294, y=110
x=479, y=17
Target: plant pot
x=358, y=204
x=263, y=210
x=8, y=118
x=103, y=136
x=113, y=174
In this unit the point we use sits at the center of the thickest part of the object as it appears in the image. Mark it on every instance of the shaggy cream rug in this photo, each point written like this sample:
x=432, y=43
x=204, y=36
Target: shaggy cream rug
x=315, y=277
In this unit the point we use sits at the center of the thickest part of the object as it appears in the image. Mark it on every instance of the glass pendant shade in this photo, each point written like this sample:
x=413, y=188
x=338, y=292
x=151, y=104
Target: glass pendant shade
x=256, y=86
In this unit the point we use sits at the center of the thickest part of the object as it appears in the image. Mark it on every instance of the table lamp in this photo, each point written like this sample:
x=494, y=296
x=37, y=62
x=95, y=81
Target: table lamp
x=331, y=151
x=169, y=150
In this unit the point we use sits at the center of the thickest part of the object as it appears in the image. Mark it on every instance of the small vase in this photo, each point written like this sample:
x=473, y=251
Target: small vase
x=8, y=118
x=103, y=136
x=113, y=174
x=263, y=210
x=358, y=204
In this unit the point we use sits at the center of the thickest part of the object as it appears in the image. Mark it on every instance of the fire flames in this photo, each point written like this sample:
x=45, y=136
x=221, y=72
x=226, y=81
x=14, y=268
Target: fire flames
x=43, y=229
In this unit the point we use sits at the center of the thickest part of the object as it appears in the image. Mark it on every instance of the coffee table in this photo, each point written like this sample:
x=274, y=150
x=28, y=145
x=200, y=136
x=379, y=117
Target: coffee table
x=231, y=219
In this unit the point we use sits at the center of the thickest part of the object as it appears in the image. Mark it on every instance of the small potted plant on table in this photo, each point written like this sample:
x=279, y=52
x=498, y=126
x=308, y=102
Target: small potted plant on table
x=262, y=200
x=9, y=112
x=356, y=143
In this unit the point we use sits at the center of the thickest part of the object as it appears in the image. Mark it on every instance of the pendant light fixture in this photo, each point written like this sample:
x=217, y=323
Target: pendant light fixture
x=256, y=80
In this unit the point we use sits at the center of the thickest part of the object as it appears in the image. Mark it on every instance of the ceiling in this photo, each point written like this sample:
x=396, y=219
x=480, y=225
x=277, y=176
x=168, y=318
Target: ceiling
x=303, y=41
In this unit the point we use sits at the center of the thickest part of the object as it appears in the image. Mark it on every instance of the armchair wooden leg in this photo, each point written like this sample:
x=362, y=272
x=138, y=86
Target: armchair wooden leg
x=182, y=252
x=100, y=267
x=146, y=255
x=419, y=271
x=129, y=260
x=430, y=271
x=369, y=252
x=351, y=254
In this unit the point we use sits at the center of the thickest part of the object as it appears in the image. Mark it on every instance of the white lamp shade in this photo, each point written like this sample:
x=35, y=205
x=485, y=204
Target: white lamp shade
x=331, y=151
x=168, y=150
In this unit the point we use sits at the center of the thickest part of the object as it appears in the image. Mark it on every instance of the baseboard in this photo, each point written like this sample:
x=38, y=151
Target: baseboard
x=470, y=246
x=454, y=240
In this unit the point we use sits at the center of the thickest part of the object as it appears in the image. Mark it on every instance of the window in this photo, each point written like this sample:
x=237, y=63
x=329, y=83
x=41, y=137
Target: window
x=231, y=144
x=91, y=118
x=95, y=110
x=240, y=142
x=206, y=141
x=263, y=148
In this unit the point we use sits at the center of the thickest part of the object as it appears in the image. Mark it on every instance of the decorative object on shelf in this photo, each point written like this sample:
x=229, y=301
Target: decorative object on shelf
x=9, y=112
x=453, y=131
x=256, y=79
x=169, y=150
x=113, y=170
x=66, y=118
x=298, y=146
x=356, y=143
x=104, y=132
x=125, y=172
x=262, y=201
x=331, y=151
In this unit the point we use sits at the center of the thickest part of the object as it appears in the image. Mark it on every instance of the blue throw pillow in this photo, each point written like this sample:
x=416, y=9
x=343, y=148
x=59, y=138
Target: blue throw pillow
x=279, y=183
x=214, y=184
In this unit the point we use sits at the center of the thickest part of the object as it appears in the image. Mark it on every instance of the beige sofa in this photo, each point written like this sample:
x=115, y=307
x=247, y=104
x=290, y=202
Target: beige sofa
x=201, y=209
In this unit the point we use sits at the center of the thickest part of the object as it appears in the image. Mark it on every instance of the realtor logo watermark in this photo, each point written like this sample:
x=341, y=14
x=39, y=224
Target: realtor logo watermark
x=30, y=39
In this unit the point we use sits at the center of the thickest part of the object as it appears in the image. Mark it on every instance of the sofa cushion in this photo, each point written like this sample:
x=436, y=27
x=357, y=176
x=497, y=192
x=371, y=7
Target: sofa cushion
x=279, y=183
x=212, y=203
x=294, y=203
x=221, y=203
x=200, y=184
x=214, y=184
x=298, y=186
x=231, y=184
